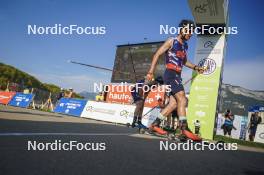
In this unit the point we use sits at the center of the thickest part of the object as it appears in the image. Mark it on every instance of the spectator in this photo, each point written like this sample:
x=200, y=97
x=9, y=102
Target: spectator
x=61, y=94
x=69, y=93
x=197, y=126
x=99, y=97
x=253, y=124
x=228, y=123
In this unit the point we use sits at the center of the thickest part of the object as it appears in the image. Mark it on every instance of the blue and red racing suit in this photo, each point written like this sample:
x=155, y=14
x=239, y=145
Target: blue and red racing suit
x=175, y=58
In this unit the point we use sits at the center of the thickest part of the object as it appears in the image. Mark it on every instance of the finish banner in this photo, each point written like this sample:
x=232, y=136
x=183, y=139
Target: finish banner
x=5, y=97
x=205, y=88
x=21, y=100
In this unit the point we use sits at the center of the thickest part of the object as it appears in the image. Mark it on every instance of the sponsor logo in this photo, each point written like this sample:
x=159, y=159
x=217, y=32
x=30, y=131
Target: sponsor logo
x=208, y=44
x=124, y=113
x=3, y=97
x=261, y=108
x=100, y=110
x=261, y=135
x=200, y=113
x=210, y=65
x=89, y=108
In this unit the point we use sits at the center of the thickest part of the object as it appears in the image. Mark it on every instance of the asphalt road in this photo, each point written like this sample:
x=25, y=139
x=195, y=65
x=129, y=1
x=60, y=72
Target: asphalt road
x=126, y=151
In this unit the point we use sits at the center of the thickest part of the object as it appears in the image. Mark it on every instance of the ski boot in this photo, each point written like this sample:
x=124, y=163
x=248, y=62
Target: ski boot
x=186, y=133
x=142, y=128
x=155, y=127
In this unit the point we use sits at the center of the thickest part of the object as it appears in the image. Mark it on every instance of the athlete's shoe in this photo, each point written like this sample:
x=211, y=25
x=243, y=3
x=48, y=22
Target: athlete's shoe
x=133, y=125
x=183, y=125
x=155, y=127
x=156, y=122
x=187, y=132
x=140, y=125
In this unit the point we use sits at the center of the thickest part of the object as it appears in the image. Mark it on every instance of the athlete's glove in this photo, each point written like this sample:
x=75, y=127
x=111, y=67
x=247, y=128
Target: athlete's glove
x=149, y=77
x=200, y=69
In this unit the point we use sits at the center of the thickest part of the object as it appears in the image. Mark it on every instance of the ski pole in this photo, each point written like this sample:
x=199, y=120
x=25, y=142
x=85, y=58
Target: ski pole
x=150, y=110
x=97, y=67
x=193, y=77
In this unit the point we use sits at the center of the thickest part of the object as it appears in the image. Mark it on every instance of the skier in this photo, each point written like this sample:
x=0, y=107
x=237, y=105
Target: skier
x=139, y=97
x=175, y=50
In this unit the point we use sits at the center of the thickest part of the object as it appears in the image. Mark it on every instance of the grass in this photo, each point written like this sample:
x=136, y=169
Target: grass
x=239, y=142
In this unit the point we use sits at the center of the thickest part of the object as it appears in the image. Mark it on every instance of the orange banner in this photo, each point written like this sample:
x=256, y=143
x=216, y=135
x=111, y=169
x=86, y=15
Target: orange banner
x=122, y=94
x=5, y=97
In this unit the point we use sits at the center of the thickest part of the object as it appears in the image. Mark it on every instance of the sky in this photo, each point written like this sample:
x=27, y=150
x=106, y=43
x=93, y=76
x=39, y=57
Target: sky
x=46, y=56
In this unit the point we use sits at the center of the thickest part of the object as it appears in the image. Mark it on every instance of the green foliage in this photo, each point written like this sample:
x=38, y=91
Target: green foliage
x=239, y=142
x=11, y=74
x=52, y=88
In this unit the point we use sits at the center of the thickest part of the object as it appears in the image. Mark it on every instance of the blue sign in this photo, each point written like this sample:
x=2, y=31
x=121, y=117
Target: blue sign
x=21, y=100
x=70, y=106
x=256, y=109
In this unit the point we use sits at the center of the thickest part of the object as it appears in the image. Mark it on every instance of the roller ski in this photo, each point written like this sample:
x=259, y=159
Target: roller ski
x=156, y=130
x=186, y=133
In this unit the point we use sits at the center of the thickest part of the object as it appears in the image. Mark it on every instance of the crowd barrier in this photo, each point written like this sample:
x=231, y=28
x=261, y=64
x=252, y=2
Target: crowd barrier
x=121, y=94
x=119, y=113
x=21, y=100
x=6, y=97
x=70, y=106
x=259, y=137
x=109, y=112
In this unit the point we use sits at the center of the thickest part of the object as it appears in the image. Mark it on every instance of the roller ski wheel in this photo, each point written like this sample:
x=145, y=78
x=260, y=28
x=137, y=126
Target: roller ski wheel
x=171, y=136
x=141, y=131
x=142, y=128
x=168, y=129
x=182, y=138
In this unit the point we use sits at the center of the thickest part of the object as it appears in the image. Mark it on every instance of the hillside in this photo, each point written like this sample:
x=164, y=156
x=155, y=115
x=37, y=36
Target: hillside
x=88, y=95
x=239, y=99
x=19, y=80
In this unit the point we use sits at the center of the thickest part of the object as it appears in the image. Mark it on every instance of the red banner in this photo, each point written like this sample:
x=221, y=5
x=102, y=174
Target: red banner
x=122, y=94
x=5, y=97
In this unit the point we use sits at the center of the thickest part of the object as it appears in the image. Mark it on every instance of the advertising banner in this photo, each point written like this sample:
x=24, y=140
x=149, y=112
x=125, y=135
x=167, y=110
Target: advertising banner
x=70, y=106
x=116, y=113
x=5, y=97
x=21, y=100
x=122, y=94
x=259, y=137
x=238, y=123
x=204, y=89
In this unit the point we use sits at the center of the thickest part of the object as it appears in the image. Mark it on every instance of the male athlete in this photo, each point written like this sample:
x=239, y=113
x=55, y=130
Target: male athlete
x=175, y=50
x=139, y=97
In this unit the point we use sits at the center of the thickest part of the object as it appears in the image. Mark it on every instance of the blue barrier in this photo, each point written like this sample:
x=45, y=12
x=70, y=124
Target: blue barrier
x=21, y=100
x=70, y=106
